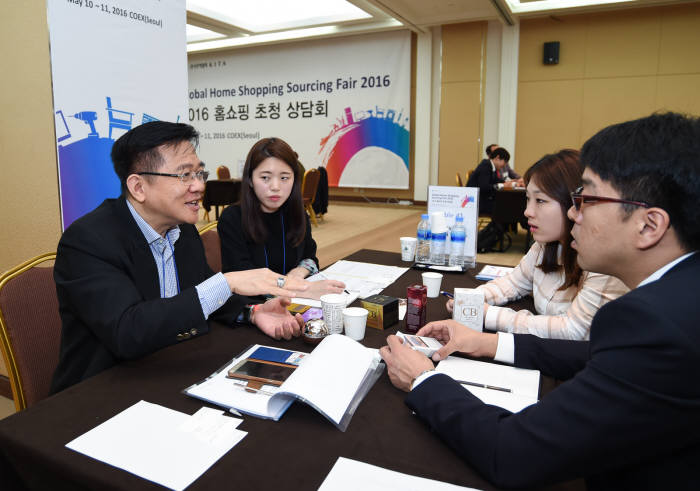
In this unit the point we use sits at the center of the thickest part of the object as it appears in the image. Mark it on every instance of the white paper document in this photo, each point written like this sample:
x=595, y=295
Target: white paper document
x=361, y=279
x=490, y=272
x=161, y=445
x=508, y=387
x=350, y=475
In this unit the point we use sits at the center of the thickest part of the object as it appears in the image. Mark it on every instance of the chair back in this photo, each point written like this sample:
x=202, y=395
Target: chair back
x=309, y=185
x=458, y=179
x=212, y=246
x=222, y=172
x=30, y=329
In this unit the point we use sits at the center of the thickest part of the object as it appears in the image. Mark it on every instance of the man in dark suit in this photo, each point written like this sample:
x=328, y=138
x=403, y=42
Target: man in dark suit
x=628, y=415
x=492, y=174
x=131, y=275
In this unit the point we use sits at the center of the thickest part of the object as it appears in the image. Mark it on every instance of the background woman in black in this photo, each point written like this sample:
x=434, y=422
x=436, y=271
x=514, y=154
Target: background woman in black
x=269, y=227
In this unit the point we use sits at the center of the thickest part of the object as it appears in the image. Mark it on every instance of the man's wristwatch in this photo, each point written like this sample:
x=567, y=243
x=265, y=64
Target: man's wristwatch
x=410, y=387
x=248, y=312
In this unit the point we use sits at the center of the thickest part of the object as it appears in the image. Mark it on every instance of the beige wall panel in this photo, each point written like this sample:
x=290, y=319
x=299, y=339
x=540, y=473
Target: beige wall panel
x=609, y=101
x=29, y=196
x=461, y=51
x=679, y=93
x=680, y=39
x=570, y=31
x=623, y=44
x=459, y=130
x=549, y=115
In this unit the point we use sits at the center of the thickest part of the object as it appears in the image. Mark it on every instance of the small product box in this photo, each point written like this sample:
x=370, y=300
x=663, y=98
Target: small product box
x=469, y=308
x=307, y=312
x=383, y=311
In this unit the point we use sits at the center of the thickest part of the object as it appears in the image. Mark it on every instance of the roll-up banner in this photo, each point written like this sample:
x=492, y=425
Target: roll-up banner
x=341, y=103
x=114, y=65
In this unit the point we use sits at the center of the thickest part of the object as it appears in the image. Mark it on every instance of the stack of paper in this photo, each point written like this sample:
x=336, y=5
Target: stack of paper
x=361, y=279
x=162, y=445
x=490, y=272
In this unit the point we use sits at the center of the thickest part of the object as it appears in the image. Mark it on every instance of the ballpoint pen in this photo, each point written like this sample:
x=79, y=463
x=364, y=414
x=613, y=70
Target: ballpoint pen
x=484, y=386
x=447, y=294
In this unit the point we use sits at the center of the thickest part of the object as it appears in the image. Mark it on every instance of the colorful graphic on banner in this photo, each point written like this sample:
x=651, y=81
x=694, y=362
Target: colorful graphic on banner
x=349, y=113
x=128, y=59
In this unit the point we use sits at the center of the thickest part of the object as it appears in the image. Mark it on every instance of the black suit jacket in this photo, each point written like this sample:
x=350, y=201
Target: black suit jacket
x=627, y=418
x=485, y=178
x=109, y=293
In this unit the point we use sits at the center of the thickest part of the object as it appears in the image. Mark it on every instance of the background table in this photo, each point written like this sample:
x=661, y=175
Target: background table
x=295, y=453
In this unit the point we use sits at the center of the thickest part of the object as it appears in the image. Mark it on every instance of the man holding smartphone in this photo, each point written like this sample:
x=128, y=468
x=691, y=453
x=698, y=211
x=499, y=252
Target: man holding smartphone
x=628, y=415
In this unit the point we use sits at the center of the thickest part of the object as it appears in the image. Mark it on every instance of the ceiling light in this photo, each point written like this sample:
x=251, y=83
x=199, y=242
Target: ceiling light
x=273, y=15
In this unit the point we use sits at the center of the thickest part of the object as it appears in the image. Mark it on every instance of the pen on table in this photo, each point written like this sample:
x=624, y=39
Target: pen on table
x=347, y=292
x=447, y=294
x=483, y=386
x=254, y=390
x=234, y=412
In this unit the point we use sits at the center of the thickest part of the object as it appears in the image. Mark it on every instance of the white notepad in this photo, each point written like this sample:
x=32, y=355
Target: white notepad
x=523, y=385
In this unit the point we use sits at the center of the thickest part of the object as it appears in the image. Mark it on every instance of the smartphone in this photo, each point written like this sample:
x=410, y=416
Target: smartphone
x=267, y=372
x=425, y=345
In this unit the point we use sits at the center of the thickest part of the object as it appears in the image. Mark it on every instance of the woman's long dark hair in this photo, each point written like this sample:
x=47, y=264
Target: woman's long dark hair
x=293, y=208
x=557, y=175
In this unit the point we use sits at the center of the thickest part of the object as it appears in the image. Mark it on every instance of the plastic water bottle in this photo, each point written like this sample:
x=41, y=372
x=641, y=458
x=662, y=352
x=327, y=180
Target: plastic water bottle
x=458, y=236
x=438, y=238
x=438, y=241
x=423, y=236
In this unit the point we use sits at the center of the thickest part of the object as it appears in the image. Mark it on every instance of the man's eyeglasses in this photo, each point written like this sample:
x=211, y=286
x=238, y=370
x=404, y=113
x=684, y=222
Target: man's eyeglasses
x=579, y=199
x=186, y=177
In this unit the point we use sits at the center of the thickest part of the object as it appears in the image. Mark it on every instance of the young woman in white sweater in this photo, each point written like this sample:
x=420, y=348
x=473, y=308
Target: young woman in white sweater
x=566, y=298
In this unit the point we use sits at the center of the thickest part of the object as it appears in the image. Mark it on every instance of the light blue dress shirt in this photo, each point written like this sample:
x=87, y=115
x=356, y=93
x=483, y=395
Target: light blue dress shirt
x=212, y=292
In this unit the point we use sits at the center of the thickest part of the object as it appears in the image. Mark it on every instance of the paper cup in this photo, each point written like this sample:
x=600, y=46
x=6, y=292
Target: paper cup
x=333, y=305
x=355, y=320
x=438, y=224
x=408, y=248
x=432, y=281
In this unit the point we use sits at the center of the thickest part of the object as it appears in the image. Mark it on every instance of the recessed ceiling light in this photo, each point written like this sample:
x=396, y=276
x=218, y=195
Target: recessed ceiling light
x=272, y=15
x=521, y=7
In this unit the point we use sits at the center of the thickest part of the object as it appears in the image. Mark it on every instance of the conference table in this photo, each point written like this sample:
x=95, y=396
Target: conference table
x=294, y=453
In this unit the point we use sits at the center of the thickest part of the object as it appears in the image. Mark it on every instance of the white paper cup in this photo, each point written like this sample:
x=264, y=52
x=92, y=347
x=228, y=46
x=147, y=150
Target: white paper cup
x=355, y=320
x=432, y=281
x=408, y=248
x=333, y=305
x=438, y=224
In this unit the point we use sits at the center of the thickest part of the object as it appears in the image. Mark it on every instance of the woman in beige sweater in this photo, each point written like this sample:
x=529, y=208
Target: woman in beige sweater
x=566, y=298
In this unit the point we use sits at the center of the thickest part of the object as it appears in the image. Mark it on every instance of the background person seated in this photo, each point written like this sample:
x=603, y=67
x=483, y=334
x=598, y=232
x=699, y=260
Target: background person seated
x=488, y=175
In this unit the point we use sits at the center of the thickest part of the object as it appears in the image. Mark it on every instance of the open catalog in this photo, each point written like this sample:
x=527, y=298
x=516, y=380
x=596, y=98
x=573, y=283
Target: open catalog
x=264, y=381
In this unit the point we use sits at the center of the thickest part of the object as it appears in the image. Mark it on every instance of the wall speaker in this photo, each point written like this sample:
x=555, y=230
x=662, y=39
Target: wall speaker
x=551, y=53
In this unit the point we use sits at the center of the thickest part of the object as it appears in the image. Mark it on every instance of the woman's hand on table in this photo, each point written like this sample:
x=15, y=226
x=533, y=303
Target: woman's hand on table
x=318, y=288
